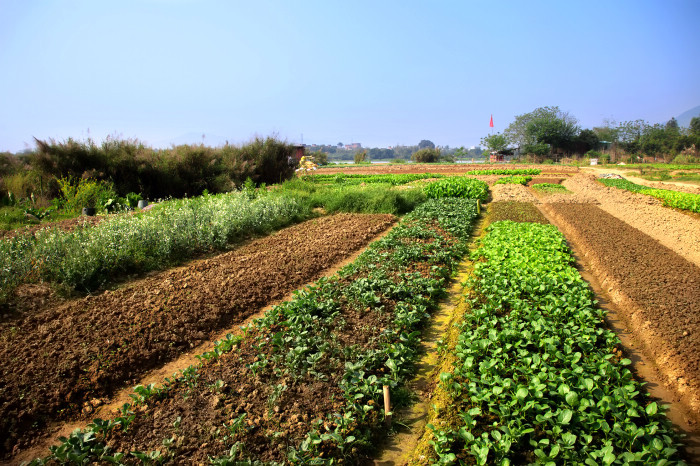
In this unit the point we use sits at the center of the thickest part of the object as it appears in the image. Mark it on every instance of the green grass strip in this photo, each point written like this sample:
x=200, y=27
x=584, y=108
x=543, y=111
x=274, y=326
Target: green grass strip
x=514, y=179
x=536, y=378
x=550, y=188
x=507, y=171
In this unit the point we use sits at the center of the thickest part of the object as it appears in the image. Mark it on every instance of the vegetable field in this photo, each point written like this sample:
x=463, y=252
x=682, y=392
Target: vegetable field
x=324, y=287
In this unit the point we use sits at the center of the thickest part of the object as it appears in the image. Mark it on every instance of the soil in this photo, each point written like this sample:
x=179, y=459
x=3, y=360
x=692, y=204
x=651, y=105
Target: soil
x=511, y=192
x=657, y=291
x=65, y=225
x=279, y=407
x=628, y=174
x=63, y=361
x=677, y=230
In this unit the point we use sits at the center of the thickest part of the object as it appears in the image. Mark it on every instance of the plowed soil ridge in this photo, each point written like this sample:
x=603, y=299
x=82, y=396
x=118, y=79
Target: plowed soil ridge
x=657, y=290
x=59, y=361
x=674, y=229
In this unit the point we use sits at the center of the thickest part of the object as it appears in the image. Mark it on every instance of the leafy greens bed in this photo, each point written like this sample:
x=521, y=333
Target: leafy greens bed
x=354, y=178
x=507, y=171
x=537, y=377
x=679, y=200
x=304, y=383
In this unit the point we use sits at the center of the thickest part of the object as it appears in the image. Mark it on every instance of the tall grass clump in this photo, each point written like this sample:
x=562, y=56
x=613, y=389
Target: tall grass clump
x=87, y=257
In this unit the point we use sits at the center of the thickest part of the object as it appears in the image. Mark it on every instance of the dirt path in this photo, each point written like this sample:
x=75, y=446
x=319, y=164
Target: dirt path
x=656, y=289
x=66, y=360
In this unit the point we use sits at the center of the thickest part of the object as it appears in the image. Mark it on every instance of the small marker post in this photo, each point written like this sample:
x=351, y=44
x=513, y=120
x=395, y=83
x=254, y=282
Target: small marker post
x=387, y=406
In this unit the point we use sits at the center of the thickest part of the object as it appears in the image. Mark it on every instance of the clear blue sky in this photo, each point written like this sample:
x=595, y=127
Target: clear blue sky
x=376, y=72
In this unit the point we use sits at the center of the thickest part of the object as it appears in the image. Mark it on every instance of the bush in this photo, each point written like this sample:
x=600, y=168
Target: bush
x=398, y=160
x=361, y=157
x=426, y=155
x=85, y=193
x=130, y=166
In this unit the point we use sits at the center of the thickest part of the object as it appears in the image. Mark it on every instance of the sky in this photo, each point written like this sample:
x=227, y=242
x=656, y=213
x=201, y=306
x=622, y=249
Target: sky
x=377, y=72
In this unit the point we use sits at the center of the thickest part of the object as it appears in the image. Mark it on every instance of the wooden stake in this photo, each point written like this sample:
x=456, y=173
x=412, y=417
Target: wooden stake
x=387, y=406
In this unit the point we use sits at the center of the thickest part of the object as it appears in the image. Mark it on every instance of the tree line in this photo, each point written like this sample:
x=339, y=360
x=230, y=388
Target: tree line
x=548, y=132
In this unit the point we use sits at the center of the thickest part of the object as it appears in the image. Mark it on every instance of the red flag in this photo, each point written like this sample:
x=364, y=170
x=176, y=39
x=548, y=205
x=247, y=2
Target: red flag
x=491, y=122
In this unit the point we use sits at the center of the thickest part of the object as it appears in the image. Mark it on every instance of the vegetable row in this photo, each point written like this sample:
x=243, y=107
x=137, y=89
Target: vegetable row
x=679, y=200
x=538, y=378
x=339, y=341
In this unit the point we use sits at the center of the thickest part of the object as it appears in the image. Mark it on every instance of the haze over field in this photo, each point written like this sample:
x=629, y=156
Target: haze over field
x=379, y=73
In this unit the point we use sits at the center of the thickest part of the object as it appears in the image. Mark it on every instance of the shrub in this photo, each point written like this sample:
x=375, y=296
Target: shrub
x=85, y=193
x=426, y=155
x=361, y=157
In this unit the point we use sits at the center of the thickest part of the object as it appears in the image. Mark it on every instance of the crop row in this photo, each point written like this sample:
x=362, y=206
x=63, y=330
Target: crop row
x=86, y=257
x=537, y=376
x=550, y=188
x=506, y=171
x=679, y=200
x=355, y=178
x=304, y=383
x=457, y=186
x=514, y=179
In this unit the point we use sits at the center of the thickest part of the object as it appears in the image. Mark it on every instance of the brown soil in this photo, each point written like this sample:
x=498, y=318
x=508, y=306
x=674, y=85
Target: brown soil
x=65, y=225
x=674, y=229
x=657, y=290
x=280, y=407
x=62, y=361
x=542, y=179
x=512, y=192
x=515, y=211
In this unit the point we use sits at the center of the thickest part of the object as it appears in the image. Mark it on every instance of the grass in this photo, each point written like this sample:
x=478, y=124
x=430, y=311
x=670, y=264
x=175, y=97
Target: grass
x=670, y=198
x=550, y=188
x=515, y=211
x=12, y=217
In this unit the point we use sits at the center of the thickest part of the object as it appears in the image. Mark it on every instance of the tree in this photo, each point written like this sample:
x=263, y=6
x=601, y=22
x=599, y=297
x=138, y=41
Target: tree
x=544, y=125
x=361, y=156
x=695, y=126
x=427, y=155
x=426, y=144
x=672, y=124
x=495, y=142
x=549, y=125
x=586, y=140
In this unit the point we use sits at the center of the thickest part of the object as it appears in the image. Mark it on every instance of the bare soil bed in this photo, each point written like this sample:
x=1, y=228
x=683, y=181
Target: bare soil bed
x=674, y=229
x=60, y=361
x=657, y=289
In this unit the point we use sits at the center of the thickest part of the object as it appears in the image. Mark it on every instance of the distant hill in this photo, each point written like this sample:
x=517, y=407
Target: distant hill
x=685, y=117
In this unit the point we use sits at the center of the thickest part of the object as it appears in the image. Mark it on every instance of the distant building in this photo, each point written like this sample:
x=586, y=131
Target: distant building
x=353, y=146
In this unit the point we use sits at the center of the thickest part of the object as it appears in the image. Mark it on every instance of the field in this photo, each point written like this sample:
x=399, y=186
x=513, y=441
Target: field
x=274, y=341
